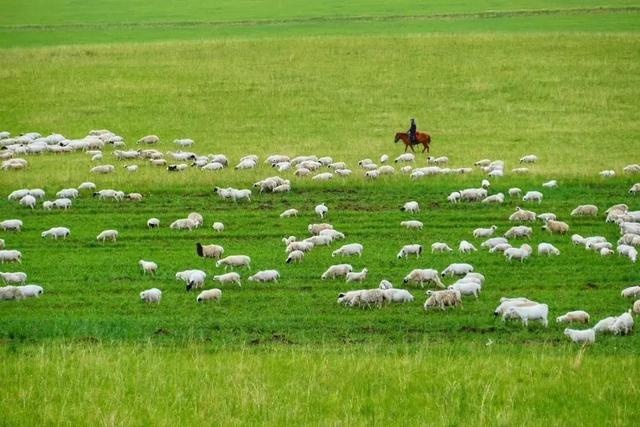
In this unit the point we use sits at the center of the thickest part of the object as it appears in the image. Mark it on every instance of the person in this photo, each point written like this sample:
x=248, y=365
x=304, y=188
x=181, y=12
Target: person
x=412, y=131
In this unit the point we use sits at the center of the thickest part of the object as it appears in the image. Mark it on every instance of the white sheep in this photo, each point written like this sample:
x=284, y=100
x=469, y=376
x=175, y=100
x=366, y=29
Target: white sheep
x=608, y=173
x=302, y=246
x=315, y=229
x=529, y=158
x=397, y=295
x=533, y=196
x=324, y=176
x=474, y=276
x=182, y=224
x=231, y=277
x=421, y=276
x=108, y=235
x=466, y=247
x=587, y=336
x=385, y=284
x=31, y=291
x=289, y=213
x=412, y=207
x=550, y=184
x=151, y=295
x=10, y=255
x=197, y=219
x=346, y=297
x=337, y=270
x=295, y=256
x=412, y=224
x=604, y=325
x=514, y=192
x=407, y=250
x=484, y=232
x=11, y=224
x=103, y=169
x=528, y=312
x=457, y=269
x=522, y=215
x=209, y=294
x=636, y=307
x=490, y=243
x=28, y=201
x=153, y=223
x=368, y=297
x=440, y=247
x=321, y=210
x=333, y=234
x=578, y=316
x=546, y=216
x=494, y=198
x=209, y=251
x=234, y=261
x=442, y=299
x=108, y=194
x=628, y=251
x=547, y=249
x=348, y=250
x=353, y=276
x=218, y=227
x=320, y=240
x=585, y=210
x=63, y=203
x=56, y=232
x=623, y=325
x=265, y=276
x=635, y=188
x=631, y=292
x=521, y=253
x=606, y=252
x=405, y=157
x=10, y=293
x=148, y=267
x=500, y=247
x=454, y=197
x=16, y=278
x=195, y=279
x=467, y=287
x=557, y=227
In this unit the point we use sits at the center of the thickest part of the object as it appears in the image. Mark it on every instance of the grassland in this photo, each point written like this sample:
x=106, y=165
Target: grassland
x=487, y=79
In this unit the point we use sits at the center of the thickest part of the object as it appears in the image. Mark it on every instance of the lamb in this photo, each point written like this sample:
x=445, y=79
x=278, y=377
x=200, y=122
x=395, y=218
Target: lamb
x=604, y=325
x=606, y=252
x=234, y=261
x=28, y=201
x=533, y=196
x=457, y=269
x=11, y=224
x=467, y=288
x=521, y=253
x=528, y=312
x=556, y=227
x=585, y=210
x=353, y=276
x=587, y=336
x=31, y=291
x=550, y=184
x=411, y=207
x=231, y=277
x=209, y=251
x=484, y=232
x=423, y=275
x=348, y=250
x=18, y=278
x=183, y=223
x=440, y=247
x=454, y=197
x=108, y=235
x=295, y=256
x=151, y=295
x=631, y=292
x=265, y=276
x=56, y=232
x=519, y=231
x=218, y=227
x=337, y=270
x=407, y=250
x=514, y=192
x=153, y=223
x=210, y=294
x=315, y=229
x=109, y=194
x=623, y=325
x=289, y=213
x=148, y=139
x=578, y=316
x=148, y=267
x=397, y=295
x=412, y=224
x=442, y=299
x=10, y=292
x=321, y=210
x=635, y=188
x=529, y=158
x=10, y=255
x=547, y=249
x=466, y=247
x=522, y=215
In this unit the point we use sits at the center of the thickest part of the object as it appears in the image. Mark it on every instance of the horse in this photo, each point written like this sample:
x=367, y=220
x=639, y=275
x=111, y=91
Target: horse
x=421, y=138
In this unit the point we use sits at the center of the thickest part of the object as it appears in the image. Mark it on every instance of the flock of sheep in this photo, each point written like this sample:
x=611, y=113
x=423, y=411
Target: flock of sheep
x=470, y=282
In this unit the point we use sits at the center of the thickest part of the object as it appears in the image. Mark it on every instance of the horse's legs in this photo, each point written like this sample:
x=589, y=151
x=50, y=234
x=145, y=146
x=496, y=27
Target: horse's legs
x=411, y=146
x=405, y=147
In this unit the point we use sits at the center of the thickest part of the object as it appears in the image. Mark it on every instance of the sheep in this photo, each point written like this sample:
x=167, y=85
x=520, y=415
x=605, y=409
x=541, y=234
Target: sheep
x=631, y=292
x=10, y=255
x=528, y=312
x=467, y=288
x=38, y=193
x=473, y=194
x=578, y=316
x=102, y=169
x=1, y=243
x=607, y=173
x=348, y=250
x=209, y=294
x=135, y=197
x=353, y=276
x=148, y=139
x=305, y=172
x=494, y=198
x=321, y=210
x=109, y=194
x=604, y=325
x=289, y=213
x=265, y=276
x=411, y=207
x=405, y=158
x=597, y=247
x=550, y=184
x=153, y=223
x=631, y=169
x=10, y=292
x=442, y=160
x=28, y=201
x=209, y=251
x=484, y=232
x=68, y=193
x=319, y=240
x=587, y=336
x=151, y=295
x=218, y=227
x=457, y=269
x=623, y=325
x=636, y=307
x=628, y=251
x=337, y=270
x=514, y=192
x=372, y=174
x=315, y=229
x=606, y=252
x=368, y=297
x=31, y=291
x=195, y=279
x=324, y=176
x=421, y=276
x=288, y=240
x=385, y=284
x=148, y=267
x=108, y=235
x=397, y=295
x=635, y=188
x=529, y=158
x=234, y=261
x=544, y=217
x=500, y=247
x=521, y=253
x=465, y=247
x=440, y=247
x=346, y=297
x=519, y=231
x=490, y=243
x=628, y=227
x=11, y=224
x=442, y=299
x=18, y=194
x=412, y=224
x=522, y=215
x=407, y=250
x=302, y=246
x=183, y=223
x=63, y=203
x=231, y=277
x=557, y=227
x=533, y=196
x=454, y=197
x=547, y=249
x=295, y=256
x=56, y=232
x=333, y=234
x=343, y=172
x=585, y=210
x=245, y=164
x=14, y=278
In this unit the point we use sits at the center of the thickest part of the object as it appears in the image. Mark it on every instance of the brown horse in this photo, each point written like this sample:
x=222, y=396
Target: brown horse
x=421, y=138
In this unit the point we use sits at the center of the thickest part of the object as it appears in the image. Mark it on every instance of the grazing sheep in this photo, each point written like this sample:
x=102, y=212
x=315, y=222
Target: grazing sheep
x=522, y=215
x=636, y=307
x=454, y=197
x=421, y=276
x=597, y=246
x=578, y=316
x=473, y=194
x=231, y=277
x=519, y=231
x=28, y=201
x=514, y=192
x=411, y=207
x=294, y=256
x=182, y=224
x=337, y=270
x=604, y=325
x=466, y=247
x=442, y=299
x=320, y=240
x=368, y=297
x=210, y=294
x=11, y=224
x=533, y=196
x=547, y=249
x=148, y=139
x=506, y=303
x=108, y=235
x=109, y=194
x=353, y=276
x=265, y=276
x=526, y=313
x=490, y=243
x=585, y=210
x=484, y=232
x=102, y=169
x=385, y=284
x=333, y=234
x=17, y=278
x=397, y=295
x=521, y=253
x=609, y=173
x=197, y=219
x=529, y=158
x=151, y=295
x=631, y=292
x=405, y=157
x=467, y=288
x=623, y=325
x=31, y=291
x=56, y=232
x=631, y=169
x=556, y=227
x=457, y=269
x=348, y=250
x=407, y=250
x=315, y=229
x=412, y=224
x=494, y=198
x=346, y=297
x=635, y=188
x=218, y=227
x=148, y=267
x=18, y=194
x=544, y=217
x=234, y=261
x=195, y=279
x=629, y=239
x=289, y=213
x=440, y=247
x=606, y=252
x=587, y=336
x=628, y=251
x=550, y=184
x=321, y=210
x=10, y=255
x=153, y=223
x=209, y=251
x=10, y=292
x=500, y=247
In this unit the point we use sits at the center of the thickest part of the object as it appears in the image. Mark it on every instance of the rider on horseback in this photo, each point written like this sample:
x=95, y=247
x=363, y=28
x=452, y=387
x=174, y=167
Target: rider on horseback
x=412, y=132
